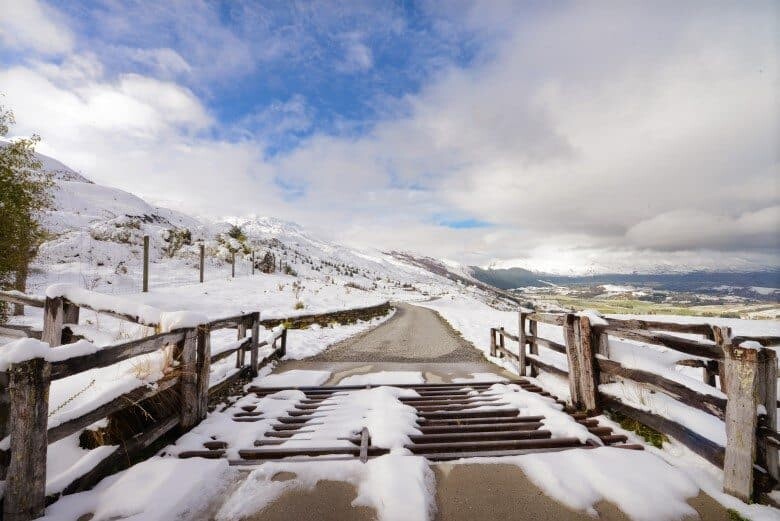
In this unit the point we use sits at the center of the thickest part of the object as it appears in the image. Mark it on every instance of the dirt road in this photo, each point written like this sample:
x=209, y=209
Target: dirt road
x=413, y=334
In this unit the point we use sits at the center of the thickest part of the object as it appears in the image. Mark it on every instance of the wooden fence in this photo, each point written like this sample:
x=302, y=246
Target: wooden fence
x=26, y=402
x=747, y=376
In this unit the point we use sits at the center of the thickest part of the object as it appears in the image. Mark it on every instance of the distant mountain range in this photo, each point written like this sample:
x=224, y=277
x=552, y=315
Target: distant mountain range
x=511, y=278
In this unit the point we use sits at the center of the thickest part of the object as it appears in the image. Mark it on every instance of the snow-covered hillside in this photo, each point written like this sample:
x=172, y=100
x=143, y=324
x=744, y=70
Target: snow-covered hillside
x=96, y=242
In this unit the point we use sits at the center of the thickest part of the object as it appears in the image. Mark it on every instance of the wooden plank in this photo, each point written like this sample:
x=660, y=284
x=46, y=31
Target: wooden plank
x=537, y=362
x=533, y=347
x=282, y=352
x=123, y=457
x=186, y=350
x=145, y=281
x=766, y=341
x=25, y=489
x=241, y=355
x=702, y=446
x=554, y=319
x=228, y=352
x=227, y=322
x=17, y=297
x=572, y=356
x=549, y=344
x=53, y=317
x=655, y=325
x=128, y=399
x=203, y=368
x=521, y=340
x=507, y=334
x=501, y=342
x=255, y=337
x=588, y=378
x=684, y=345
x=110, y=355
x=364, y=445
x=704, y=402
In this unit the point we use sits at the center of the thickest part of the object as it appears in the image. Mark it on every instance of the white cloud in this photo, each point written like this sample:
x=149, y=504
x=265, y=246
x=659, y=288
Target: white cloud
x=581, y=132
x=30, y=24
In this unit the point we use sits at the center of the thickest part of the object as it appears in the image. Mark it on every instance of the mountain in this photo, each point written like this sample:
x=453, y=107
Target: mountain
x=511, y=278
x=96, y=240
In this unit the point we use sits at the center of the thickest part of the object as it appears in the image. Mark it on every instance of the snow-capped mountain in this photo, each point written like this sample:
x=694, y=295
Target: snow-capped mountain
x=97, y=236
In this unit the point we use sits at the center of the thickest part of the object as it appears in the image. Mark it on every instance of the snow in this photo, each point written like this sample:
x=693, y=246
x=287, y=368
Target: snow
x=582, y=478
x=384, y=378
x=156, y=489
x=28, y=348
x=294, y=378
x=397, y=487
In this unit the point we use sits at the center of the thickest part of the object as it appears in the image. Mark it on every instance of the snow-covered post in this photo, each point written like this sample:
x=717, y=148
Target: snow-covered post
x=722, y=337
x=53, y=318
x=202, y=260
x=746, y=372
x=521, y=342
x=492, y=341
x=25, y=489
x=146, y=264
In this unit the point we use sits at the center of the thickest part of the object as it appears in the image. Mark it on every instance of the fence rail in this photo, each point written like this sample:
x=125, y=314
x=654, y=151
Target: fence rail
x=747, y=377
x=24, y=397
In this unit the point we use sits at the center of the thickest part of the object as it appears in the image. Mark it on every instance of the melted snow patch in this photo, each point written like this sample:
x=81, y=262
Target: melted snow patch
x=397, y=487
x=642, y=485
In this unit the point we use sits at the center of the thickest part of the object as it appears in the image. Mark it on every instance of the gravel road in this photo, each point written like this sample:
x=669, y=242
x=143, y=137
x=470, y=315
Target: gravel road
x=413, y=334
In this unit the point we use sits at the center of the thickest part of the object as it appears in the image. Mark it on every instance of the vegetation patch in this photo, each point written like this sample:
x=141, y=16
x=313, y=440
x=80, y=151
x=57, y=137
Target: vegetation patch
x=650, y=435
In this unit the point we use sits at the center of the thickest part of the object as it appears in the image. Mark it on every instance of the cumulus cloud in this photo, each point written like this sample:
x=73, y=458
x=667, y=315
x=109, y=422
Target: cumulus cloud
x=30, y=24
x=576, y=132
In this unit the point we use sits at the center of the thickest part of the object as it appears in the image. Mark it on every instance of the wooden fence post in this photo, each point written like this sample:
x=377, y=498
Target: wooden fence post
x=253, y=262
x=722, y=337
x=588, y=377
x=188, y=378
x=744, y=370
x=241, y=353
x=202, y=260
x=283, y=347
x=492, y=341
x=521, y=342
x=53, y=318
x=767, y=455
x=146, y=264
x=573, y=357
x=255, y=341
x=533, y=347
x=233, y=264
x=204, y=369
x=25, y=490
x=501, y=342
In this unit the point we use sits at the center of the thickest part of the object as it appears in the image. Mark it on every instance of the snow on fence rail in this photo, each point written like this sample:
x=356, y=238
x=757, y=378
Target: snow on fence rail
x=28, y=368
x=745, y=367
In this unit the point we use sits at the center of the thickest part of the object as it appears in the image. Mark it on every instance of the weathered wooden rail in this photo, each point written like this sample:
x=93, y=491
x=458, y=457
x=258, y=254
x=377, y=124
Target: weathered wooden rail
x=24, y=394
x=747, y=401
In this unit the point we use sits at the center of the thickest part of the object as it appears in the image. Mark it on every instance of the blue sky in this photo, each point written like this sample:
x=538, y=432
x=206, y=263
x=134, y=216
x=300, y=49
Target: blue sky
x=549, y=135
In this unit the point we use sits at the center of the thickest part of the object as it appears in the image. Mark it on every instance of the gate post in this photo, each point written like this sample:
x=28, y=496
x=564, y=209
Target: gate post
x=25, y=492
x=521, y=341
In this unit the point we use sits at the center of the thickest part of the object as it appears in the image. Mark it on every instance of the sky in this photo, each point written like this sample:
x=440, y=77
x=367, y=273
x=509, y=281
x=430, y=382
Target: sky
x=559, y=136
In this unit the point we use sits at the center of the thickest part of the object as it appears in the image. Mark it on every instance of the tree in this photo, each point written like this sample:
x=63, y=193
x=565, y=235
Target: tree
x=25, y=193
